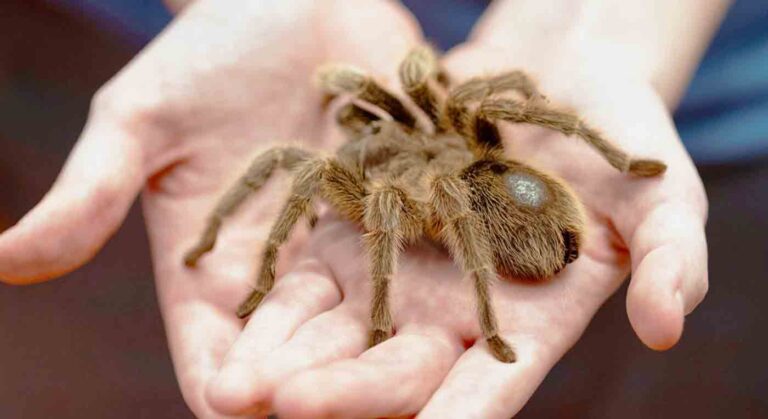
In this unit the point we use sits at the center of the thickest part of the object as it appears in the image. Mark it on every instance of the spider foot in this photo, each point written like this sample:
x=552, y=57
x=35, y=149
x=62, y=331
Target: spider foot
x=194, y=254
x=646, y=167
x=250, y=303
x=378, y=336
x=501, y=350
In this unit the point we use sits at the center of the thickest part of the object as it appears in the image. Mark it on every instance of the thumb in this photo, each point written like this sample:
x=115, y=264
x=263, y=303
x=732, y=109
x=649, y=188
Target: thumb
x=669, y=274
x=86, y=204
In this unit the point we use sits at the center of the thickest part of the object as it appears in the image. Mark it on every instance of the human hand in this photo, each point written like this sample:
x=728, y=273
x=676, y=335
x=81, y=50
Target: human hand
x=148, y=127
x=226, y=80
x=653, y=227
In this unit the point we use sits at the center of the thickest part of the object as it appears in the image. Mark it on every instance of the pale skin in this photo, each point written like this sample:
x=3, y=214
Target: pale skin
x=224, y=82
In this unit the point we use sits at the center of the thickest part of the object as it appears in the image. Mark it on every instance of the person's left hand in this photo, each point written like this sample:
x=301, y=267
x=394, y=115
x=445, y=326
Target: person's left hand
x=225, y=80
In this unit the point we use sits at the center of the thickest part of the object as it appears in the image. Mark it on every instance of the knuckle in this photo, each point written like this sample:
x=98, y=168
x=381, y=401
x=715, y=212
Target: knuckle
x=105, y=101
x=125, y=108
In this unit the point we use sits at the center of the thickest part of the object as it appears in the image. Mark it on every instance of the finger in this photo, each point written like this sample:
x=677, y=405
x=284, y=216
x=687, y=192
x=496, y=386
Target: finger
x=198, y=305
x=85, y=206
x=198, y=335
x=394, y=378
x=669, y=273
x=260, y=356
x=479, y=386
x=250, y=387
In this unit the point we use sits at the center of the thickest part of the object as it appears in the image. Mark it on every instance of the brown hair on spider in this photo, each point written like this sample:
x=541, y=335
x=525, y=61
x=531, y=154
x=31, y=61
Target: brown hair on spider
x=450, y=183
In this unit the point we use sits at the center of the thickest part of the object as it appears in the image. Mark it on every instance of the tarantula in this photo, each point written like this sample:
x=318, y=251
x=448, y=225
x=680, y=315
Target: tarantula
x=450, y=182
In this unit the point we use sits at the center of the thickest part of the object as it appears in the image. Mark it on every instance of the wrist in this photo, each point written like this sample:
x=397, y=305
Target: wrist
x=654, y=40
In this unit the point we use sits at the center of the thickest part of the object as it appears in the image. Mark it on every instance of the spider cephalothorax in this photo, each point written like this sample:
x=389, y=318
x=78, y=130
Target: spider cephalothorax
x=449, y=182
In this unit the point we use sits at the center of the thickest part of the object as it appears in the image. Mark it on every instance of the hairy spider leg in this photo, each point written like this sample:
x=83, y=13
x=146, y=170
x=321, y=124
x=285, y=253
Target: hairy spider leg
x=305, y=186
x=569, y=124
x=464, y=235
x=254, y=178
x=391, y=218
x=419, y=75
x=341, y=187
x=337, y=79
x=482, y=134
x=478, y=88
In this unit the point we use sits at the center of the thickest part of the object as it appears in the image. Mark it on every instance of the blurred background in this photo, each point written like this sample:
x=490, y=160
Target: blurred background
x=92, y=345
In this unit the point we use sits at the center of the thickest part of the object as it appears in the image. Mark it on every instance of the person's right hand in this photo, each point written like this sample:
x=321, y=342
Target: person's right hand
x=225, y=81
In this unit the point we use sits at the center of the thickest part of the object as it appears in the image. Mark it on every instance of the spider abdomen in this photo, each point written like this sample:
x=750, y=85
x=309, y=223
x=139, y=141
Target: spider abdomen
x=533, y=221
x=527, y=190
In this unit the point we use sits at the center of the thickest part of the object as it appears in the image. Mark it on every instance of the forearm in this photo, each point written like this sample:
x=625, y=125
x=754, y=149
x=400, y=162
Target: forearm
x=659, y=40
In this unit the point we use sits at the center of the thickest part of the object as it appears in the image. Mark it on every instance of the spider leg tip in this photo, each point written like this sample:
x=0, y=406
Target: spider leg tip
x=190, y=260
x=501, y=350
x=378, y=336
x=647, y=167
x=338, y=78
x=250, y=304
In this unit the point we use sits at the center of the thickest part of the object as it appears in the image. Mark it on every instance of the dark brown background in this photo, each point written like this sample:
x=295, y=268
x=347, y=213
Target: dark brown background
x=92, y=345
